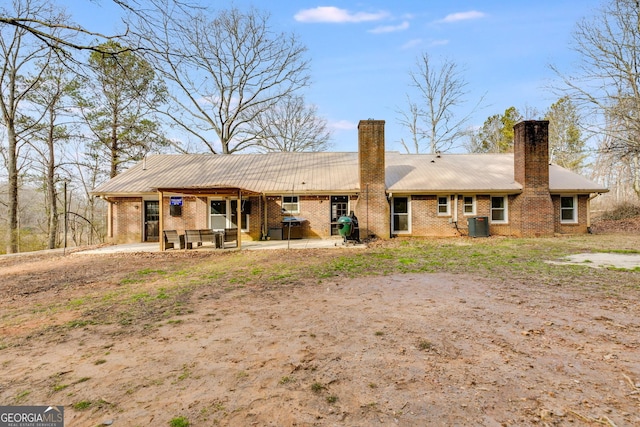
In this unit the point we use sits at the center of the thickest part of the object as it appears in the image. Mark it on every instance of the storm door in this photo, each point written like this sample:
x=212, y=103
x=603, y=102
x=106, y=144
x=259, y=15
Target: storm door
x=224, y=214
x=219, y=214
x=339, y=207
x=151, y=220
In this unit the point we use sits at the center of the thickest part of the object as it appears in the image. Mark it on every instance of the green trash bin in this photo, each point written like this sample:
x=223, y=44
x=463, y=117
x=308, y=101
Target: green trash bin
x=345, y=226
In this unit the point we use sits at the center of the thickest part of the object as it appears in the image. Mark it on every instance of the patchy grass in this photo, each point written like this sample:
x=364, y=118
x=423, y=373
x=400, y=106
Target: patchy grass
x=622, y=251
x=424, y=345
x=143, y=299
x=179, y=422
x=317, y=387
x=286, y=380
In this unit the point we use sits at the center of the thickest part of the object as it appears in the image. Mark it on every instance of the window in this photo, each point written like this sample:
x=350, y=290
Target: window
x=469, y=205
x=568, y=209
x=400, y=214
x=499, y=209
x=224, y=214
x=244, y=215
x=443, y=205
x=290, y=204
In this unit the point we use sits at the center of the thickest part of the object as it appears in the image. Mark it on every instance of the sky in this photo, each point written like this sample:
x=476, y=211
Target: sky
x=362, y=52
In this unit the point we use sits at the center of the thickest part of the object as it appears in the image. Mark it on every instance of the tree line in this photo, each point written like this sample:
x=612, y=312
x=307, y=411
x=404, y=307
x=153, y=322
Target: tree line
x=598, y=101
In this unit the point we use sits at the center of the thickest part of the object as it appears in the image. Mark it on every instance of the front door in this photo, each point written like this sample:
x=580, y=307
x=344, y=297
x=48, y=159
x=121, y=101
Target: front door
x=151, y=220
x=339, y=207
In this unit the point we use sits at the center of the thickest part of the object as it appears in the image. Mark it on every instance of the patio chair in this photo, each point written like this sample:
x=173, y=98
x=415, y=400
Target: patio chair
x=207, y=235
x=172, y=240
x=230, y=234
x=191, y=237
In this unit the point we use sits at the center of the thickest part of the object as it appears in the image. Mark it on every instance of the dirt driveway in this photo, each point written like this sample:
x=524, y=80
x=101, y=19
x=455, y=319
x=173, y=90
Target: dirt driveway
x=397, y=350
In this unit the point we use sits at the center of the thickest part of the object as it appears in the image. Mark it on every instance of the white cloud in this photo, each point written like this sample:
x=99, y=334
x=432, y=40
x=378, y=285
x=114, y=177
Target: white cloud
x=463, y=16
x=439, y=42
x=342, y=125
x=411, y=43
x=390, y=28
x=335, y=15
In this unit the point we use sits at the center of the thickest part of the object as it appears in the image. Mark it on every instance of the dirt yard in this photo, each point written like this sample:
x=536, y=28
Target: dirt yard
x=108, y=338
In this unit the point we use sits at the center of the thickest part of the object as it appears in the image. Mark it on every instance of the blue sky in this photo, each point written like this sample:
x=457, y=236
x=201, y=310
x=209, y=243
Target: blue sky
x=362, y=51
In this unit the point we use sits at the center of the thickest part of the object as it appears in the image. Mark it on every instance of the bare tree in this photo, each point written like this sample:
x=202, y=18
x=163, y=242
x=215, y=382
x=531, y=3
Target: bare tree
x=606, y=82
x=432, y=119
x=291, y=126
x=87, y=168
x=225, y=72
x=65, y=37
x=50, y=101
x=19, y=55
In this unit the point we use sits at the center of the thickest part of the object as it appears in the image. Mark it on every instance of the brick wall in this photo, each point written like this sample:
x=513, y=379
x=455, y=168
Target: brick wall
x=583, y=212
x=425, y=220
x=532, y=212
x=194, y=214
x=372, y=207
x=127, y=219
x=316, y=209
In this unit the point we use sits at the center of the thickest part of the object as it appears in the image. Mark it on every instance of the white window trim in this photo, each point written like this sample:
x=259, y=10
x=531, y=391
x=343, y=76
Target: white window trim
x=393, y=214
x=297, y=203
x=227, y=217
x=506, y=210
x=473, y=206
x=574, y=220
x=448, y=212
x=247, y=219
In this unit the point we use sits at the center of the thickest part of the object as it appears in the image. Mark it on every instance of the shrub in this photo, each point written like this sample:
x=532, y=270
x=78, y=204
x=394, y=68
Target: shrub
x=622, y=211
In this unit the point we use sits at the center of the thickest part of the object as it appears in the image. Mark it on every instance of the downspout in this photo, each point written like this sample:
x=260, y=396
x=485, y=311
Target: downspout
x=389, y=198
x=109, y=215
x=161, y=222
x=263, y=206
x=109, y=218
x=455, y=211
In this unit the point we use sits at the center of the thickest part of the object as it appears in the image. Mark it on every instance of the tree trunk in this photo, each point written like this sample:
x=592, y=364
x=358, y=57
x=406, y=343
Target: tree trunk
x=52, y=227
x=12, y=170
x=636, y=174
x=114, y=145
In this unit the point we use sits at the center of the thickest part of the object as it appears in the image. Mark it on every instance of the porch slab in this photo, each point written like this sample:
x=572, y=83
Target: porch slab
x=248, y=245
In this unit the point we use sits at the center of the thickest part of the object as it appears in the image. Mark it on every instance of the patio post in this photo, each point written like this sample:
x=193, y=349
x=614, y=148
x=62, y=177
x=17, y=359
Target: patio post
x=239, y=219
x=161, y=222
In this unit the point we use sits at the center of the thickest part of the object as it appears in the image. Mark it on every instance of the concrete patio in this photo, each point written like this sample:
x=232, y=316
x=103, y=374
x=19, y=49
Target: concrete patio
x=246, y=245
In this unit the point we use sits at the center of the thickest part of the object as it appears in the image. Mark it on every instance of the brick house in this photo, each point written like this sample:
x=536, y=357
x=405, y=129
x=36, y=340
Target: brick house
x=392, y=194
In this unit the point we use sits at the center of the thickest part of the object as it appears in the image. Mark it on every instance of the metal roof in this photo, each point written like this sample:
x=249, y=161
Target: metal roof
x=301, y=173
x=261, y=173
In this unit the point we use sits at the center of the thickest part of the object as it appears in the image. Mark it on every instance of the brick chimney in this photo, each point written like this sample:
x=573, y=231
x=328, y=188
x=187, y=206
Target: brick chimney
x=534, y=208
x=372, y=207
